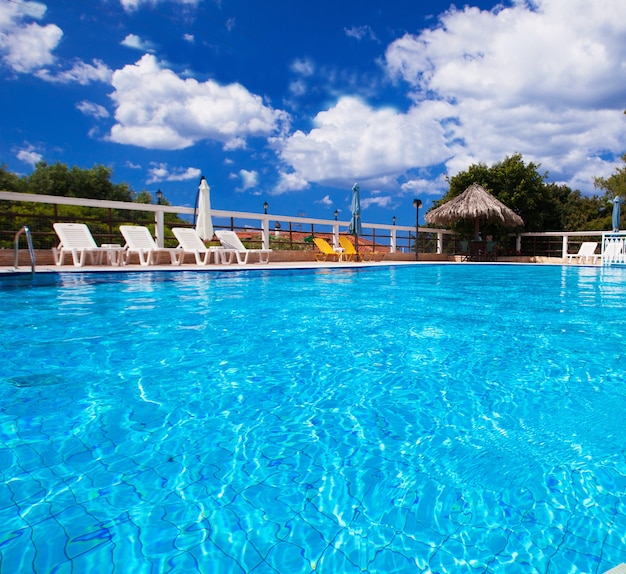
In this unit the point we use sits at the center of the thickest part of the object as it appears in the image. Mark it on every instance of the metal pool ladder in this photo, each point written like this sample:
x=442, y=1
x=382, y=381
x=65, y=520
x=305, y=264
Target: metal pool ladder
x=29, y=241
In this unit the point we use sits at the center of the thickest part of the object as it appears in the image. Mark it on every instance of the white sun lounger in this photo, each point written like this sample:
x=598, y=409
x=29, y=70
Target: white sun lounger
x=231, y=241
x=140, y=241
x=586, y=253
x=76, y=240
x=190, y=242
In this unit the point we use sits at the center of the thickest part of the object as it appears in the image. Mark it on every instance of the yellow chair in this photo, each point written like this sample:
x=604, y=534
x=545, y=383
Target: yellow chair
x=349, y=252
x=326, y=250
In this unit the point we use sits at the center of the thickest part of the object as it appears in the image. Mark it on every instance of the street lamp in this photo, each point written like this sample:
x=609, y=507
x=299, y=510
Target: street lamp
x=393, y=220
x=159, y=195
x=265, y=206
x=417, y=203
x=336, y=214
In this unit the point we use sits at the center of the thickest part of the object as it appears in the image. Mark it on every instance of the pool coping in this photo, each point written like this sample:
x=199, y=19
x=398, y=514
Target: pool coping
x=283, y=265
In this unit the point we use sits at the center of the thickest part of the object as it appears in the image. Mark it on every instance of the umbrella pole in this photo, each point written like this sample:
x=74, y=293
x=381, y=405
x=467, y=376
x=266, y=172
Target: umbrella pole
x=356, y=245
x=476, y=228
x=195, y=209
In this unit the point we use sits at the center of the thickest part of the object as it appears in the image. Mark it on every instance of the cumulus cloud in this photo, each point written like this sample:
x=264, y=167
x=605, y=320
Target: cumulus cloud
x=25, y=45
x=544, y=80
x=91, y=109
x=354, y=141
x=378, y=200
x=136, y=43
x=29, y=156
x=133, y=5
x=157, y=109
x=249, y=179
x=326, y=200
x=360, y=32
x=162, y=172
x=80, y=73
x=290, y=181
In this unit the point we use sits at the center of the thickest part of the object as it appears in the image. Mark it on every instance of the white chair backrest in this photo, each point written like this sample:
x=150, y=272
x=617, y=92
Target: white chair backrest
x=588, y=248
x=189, y=239
x=75, y=236
x=613, y=247
x=229, y=240
x=138, y=237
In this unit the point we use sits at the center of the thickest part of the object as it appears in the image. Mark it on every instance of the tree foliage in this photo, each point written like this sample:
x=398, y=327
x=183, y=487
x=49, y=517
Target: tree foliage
x=523, y=188
x=60, y=180
x=615, y=184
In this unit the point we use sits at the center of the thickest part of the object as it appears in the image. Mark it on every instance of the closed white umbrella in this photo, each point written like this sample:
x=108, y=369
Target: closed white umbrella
x=204, y=225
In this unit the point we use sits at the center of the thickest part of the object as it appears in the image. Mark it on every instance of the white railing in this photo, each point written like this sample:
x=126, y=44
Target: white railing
x=613, y=248
x=264, y=218
x=390, y=231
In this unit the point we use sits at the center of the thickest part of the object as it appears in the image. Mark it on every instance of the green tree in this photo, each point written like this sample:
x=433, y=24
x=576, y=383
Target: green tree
x=523, y=188
x=10, y=181
x=615, y=184
x=58, y=179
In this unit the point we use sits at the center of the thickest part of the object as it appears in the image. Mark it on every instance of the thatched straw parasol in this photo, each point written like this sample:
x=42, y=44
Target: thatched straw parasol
x=474, y=203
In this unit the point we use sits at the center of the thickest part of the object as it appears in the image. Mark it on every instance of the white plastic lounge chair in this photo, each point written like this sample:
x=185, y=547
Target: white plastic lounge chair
x=586, y=253
x=190, y=242
x=140, y=241
x=231, y=241
x=613, y=251
x=76, y=240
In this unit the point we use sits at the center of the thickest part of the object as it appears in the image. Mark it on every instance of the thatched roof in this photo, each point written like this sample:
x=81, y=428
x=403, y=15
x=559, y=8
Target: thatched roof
x=474, y=203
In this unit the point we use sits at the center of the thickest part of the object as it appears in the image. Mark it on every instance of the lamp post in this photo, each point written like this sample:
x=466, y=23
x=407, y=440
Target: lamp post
x=265, y=206
x=159, y=195
x=417, y=203
x=336, y=214
x=393, y=220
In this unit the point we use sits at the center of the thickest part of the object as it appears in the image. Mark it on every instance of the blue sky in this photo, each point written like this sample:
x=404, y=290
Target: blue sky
x=292, y=102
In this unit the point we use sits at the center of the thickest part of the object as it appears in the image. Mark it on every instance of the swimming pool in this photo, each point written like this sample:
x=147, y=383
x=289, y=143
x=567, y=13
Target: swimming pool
x=432, y=418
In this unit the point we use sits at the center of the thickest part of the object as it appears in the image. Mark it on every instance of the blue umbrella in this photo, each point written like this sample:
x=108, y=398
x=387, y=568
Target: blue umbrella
x=355, y=223
x=616, y=213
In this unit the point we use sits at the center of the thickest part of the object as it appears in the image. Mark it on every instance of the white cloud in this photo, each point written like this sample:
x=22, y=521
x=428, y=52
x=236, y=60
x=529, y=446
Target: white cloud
x=290, y=182
x=303, y=67
x=189, y=38
x=353, y=141
x=91, y=109
x=162, y=172
x=136, y=43
x=546, y=82
x=133, y=5
x=29, y=156
x=378, y=200
x=249, y=179
x=25, y=47
x=326, y=200
x=79, y=73
x=157, y=109
x=360, y=32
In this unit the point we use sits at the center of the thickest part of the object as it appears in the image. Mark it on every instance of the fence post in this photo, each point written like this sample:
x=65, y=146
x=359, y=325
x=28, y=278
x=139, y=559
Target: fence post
x=439, y=242
x=158, y=228
x=564, y=251
x=265, y=234
x=394, y=242
x=335, y=235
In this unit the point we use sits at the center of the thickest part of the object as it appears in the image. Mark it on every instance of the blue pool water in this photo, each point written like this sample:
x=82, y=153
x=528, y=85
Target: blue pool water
x=443, y=419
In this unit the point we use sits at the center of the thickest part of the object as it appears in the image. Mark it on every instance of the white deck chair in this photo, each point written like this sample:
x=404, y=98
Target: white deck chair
x=231, y=241
x=190, y=242
x=140, y=241
x=613, y=251
x=76, y=240
x=586, y=253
